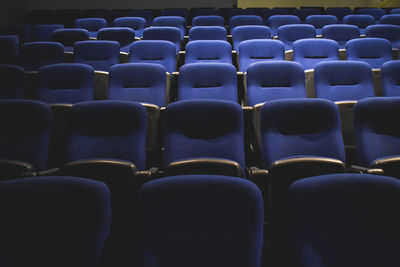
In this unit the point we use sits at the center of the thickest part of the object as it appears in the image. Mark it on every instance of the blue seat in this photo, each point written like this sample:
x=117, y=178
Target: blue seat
x=23, y=31
x=173, y=12
x=325, y=228
x=140, y=82
x=395, y=11
x=293, y=32
x=361, y=21
x=309, y=52
x=388, y=32
x=157, y=51
x=93, y=25
x=340, y=33
x=13, y=82
x=206, y=12
x=207, y=33
x=208, y=81
x=68, y=37
x=374, y=51
x=393, y=19
x=165, y=33
x=9, y=49
x=65, y=83
x=242, y=33
x=43, y=32
x=147, y=14
x=319, y=21
x=137, y=24
x=61, y=221
x=244, y=20
x=208, y=51
x=339, y=12
x=278, y=20
x=390, y=78
x=270, y=80
x=208, y=20
x=34, y=55
x=304, y=12
x=123, y=35
x=204, y=137
x=343, y=80
x=171, y=21
x=101, y=55
x=377, y=13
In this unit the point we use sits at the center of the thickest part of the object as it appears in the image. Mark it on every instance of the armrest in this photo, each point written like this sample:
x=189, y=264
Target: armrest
x=11, y=169
x=390, y=166
x=49, y=172
x=360, y=169
x=204, y=166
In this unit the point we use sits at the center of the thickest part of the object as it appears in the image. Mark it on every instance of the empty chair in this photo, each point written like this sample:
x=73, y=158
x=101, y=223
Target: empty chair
x=339, y=12
x=69, y=36
x=43, y=32
x=377, y=13
x=390, y=78
x=123, y=35
x=66, y=83
x=148, y=15
x=140, y=82
x=278, y=20
x=180, y=12
x=340, y=33
x=207, y=81
x=324, y=226
x=208, y=21
x=54, y=221
x=157, y=51
x=23, y=31
x=293, y=32
x=198, y=12
x=388, y=32
x=67, y=17
x=13, y=79
x=207, y=33
x=319, y=21
x=34, y=55
x=229, y=201
x=231, y=12
x=270, y=80
x=393, y=19
x=171, y=34
x=204, y=137
x=309, y=52
x=208, y=51
x=395, y=11
x=9, y=49
x=251, y=51
x=304, y=12
x=374, y=51
x=171, y=21
x=93, y=25
x=137, y=24
x=101, y=55
x=242, y=33
x=361, y=21
x=242, y=20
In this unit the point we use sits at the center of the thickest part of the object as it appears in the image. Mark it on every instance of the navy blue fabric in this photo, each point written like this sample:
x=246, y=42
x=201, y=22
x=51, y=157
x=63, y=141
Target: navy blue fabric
x=395, y=11
x=300, y=127
x=25, y=130
x=361, y=21
x=108, y=129
x=93, y=25
x=339, y=12
x=33, y=56
x=69, y=36
x=388, y=32
x=242, y=33
x=157, y=51
x=374, y=51
x=377, y=13
x=171, y=21
x=180, y=12
x=66, y=83
x=137, y=24
x=53, y=221
x=375, y=128
x=23, y=31
x=207, y=33
x=123, y=35
x=293, y=32
x=270, y=80
x=256, y=50
x=204, y=129
x=340, y=33
x=208, y=51
x=391, y=78
x=345, y=220
x=309, y=52
x=393, y=19
x=304, y=12
x=101, y=55
x=319, y=21
x=165, y=33
x=148, y=15
x=140, y=82
x=209, y=20
x=278, y=20
x=200, y=221
x=243, y=20
x=206, y=12
x=343, y=80
x=43, y=32
x=8, y=49
x=13, y=79
x=207, y=81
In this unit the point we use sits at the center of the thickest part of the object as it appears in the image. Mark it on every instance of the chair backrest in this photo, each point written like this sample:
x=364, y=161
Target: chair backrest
x=171, y=21
x=208, y=51
x=13, y=79
x=101, y=55
x=309, y=52
x=388, y=32
x=278, y=20
x=93, y=25
x=343, y=80
x=34, y=55
x=208, y=20
x=9, y=49
x=137, y=24
x=377, y=13
x=186, y=205
x=207, y=81
x=165, y=33
x=123, y=35
x=270, y=80
x=390, y=78
x=207, y=33
x=243, y=20
x=69, y=36
x=319, y=21
x=339, y=12
x=340, y=33
x=197, y=12
x=173, y=12
x=293, y=32
x=147, y=14
x=23, y=31
x=393, y=19
x=304, y=12
x=361, y=21
x=43, y=32
x=242, y=33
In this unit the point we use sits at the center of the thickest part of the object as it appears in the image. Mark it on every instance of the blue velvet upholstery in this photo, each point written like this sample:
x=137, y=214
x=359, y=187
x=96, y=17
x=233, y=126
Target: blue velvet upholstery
x=34, y=55
x=374, y=51
x=393, y=19
x=157, y=51
x=243, y=20
x=13, y=79
x=319, y=21
x=206, y=12
x=65, y=83
x=340, y=33
x=207, y=81
x=309, y=52
x=395, y=11
x=207, y=33
x=53, y=221
x=204, y=129
x=147, y=14
x=270, y=80
x=93, y=25
x=208, y=51
x=375, y=126
x=300, y=127
x=339, y=12
x=345, y=220
x=242, y=33
x=108, y=129
x=208, y=20
x=343, y=80
x=278, y=20
x=377, y=13
x=8, y=49
x=361, y=21
x=101, y=55
x=137, y=24
x=165, y=33
x=388, y=32
x=43, y=32
x=123, y=35
x=172, y=12
x=293, y=32
x=171, y=21
x=69, y=36
x=391, y=78
x=23, y=31
x=304, y=12
x=251, y=51
x=25, y=131
x=140, y=82
x=196, y=220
